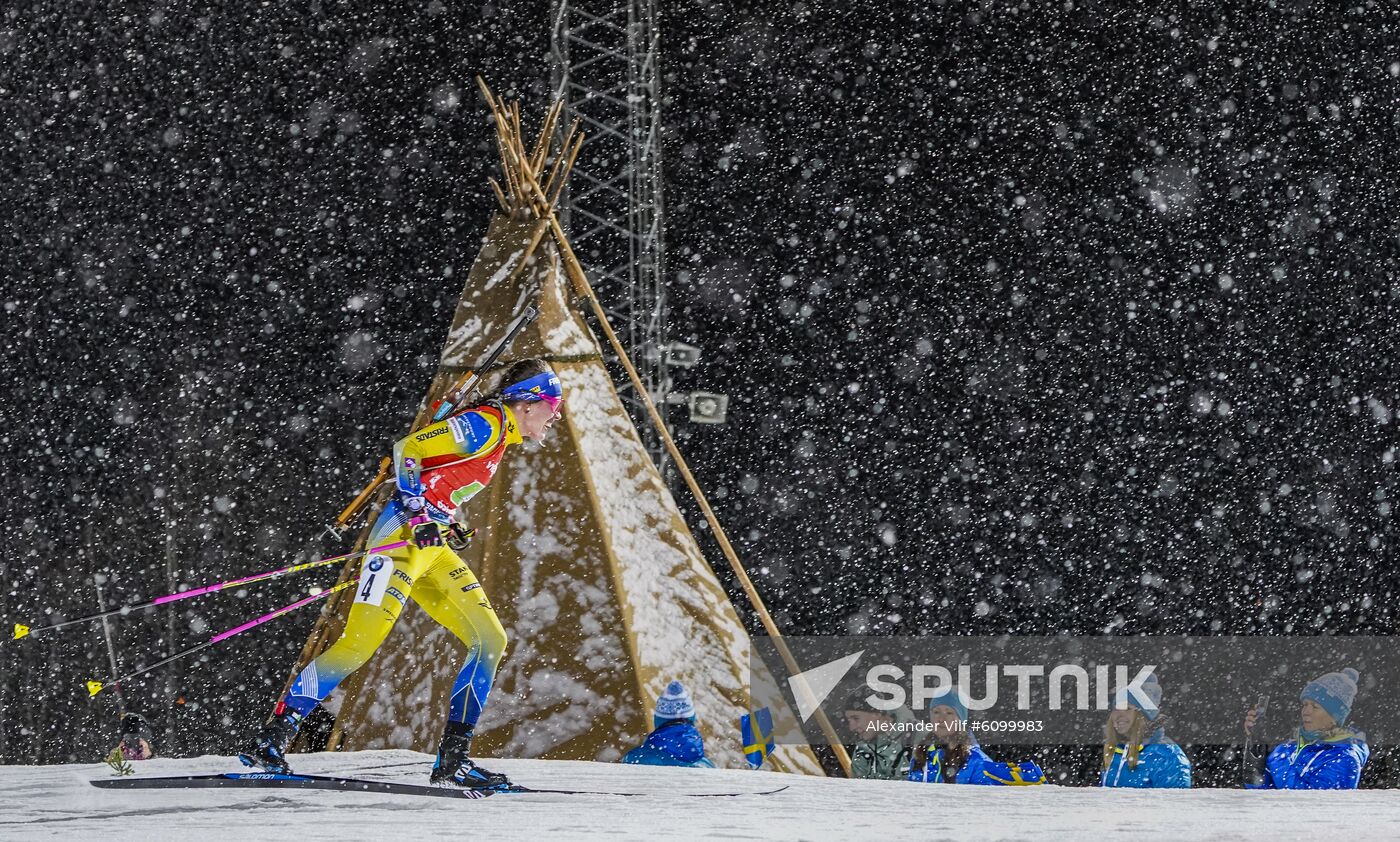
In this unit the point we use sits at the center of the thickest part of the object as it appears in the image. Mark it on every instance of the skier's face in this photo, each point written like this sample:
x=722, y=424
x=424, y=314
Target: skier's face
x=536, y=417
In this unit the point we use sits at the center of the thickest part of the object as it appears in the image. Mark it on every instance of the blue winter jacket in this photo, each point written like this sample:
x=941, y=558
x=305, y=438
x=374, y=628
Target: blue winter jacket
x=1161, y=765
x=1334, y=761
x=979, y=769
x=675, y=742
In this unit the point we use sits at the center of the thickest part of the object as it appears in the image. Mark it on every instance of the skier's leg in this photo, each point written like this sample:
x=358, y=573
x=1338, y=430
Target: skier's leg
x=380, y=595
x=451, y=594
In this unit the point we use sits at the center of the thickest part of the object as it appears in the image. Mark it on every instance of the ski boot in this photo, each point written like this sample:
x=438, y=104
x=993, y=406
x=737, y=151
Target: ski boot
x=268, y=748
x=453, y=767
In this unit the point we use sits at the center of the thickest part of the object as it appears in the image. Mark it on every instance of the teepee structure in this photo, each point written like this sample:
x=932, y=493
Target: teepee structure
x=582, y=550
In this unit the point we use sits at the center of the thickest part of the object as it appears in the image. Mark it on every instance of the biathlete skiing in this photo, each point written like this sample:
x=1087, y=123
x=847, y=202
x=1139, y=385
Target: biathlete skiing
x=438, y=469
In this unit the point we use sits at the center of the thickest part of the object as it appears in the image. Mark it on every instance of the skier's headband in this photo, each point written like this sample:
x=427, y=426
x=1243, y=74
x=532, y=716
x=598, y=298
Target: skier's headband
x=542, y=387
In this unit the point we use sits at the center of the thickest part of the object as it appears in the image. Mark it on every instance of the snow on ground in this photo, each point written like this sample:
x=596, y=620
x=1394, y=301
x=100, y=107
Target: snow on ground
x=56, y=802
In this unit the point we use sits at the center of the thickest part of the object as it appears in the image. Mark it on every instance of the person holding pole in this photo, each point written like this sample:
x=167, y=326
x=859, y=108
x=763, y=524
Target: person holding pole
x=1324, y=753
x=437, y=469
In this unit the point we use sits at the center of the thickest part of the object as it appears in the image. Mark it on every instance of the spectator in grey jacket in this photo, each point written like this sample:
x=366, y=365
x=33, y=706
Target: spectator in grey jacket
x=882, y=744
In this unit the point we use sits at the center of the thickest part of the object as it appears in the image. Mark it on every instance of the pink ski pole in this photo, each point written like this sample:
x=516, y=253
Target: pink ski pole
x=22, y=630
x=95, y=687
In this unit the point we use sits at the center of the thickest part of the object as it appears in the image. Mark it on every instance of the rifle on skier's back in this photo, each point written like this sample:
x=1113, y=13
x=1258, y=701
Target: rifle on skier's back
x=451, y=403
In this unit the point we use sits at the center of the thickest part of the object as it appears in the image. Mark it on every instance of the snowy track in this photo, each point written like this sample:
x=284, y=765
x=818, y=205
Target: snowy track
x=56, y=802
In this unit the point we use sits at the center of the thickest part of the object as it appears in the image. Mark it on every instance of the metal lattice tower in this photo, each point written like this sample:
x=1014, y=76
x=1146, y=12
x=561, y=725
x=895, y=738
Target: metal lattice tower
x=604, y=55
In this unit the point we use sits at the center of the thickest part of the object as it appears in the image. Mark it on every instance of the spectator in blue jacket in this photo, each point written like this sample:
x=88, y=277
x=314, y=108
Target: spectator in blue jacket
x=1324, y=753
x=1136, y=750
x=674, y=740
x=951, y=753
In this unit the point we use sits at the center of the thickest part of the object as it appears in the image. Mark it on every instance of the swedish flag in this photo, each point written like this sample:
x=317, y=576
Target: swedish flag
x=756, y=731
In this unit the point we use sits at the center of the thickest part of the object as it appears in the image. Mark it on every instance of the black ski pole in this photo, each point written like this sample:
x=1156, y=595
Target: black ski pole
x=1250, y=771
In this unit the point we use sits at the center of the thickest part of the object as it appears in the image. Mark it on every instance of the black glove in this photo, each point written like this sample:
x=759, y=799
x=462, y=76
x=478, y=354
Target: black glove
x=427, y=535
x=458, y=536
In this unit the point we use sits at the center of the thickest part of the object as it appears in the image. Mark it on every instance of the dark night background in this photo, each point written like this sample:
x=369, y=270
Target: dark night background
x=1035, y=318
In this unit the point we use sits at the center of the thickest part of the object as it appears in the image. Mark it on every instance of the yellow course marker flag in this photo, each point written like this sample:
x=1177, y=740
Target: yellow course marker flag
x=94, y=687
x=21, y=631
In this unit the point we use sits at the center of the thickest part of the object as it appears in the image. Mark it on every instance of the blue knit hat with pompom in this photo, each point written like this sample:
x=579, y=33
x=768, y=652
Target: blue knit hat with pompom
x=1151, y=689
x=1334, y=692
x=674, y=703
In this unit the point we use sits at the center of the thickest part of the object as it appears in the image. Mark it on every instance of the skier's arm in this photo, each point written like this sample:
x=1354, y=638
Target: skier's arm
x=468, y=436
x=406, y=470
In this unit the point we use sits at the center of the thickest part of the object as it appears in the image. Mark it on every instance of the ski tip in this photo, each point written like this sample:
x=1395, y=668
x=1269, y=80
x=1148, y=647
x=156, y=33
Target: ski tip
x=94, y=687
x=21, y=630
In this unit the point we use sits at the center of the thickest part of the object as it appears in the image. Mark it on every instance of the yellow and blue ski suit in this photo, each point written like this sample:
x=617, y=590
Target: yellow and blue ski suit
x=447, y=464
